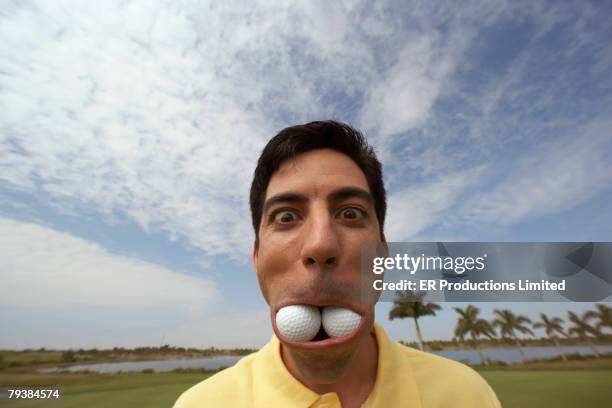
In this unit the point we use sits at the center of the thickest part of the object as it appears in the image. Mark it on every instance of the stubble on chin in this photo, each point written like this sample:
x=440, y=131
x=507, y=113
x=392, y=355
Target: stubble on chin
x=328, y=365
x=325, y=366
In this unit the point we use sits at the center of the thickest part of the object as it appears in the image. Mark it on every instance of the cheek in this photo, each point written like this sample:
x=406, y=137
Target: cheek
x=352, y=267
x=274, y=265
x=352, y=247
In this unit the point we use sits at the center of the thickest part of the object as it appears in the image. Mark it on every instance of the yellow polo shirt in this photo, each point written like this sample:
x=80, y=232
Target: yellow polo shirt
x=406, y=378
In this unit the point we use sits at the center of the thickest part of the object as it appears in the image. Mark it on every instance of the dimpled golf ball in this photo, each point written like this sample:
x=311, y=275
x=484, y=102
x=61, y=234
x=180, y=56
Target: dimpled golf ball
x=338, y=321
x=298, y=322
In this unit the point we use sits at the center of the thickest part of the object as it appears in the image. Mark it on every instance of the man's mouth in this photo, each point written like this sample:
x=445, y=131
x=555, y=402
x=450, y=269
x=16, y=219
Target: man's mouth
x=312, y=326
x=321, y=335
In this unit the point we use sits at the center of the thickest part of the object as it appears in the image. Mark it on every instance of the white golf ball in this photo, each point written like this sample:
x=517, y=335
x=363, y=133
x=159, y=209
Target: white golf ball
x=298, y=322
x=338, y=321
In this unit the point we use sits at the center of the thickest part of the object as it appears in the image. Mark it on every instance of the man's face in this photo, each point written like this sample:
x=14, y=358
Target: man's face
x=318, y=211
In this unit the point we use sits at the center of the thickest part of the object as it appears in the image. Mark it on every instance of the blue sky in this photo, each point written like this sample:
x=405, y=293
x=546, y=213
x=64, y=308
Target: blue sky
x=130, y=130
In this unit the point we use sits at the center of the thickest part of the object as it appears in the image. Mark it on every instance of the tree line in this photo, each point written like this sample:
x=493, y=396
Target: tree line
x=506, y=326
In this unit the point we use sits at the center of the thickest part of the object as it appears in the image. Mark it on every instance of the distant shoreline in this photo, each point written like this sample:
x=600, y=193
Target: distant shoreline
x=43, y=358
x=448, y=345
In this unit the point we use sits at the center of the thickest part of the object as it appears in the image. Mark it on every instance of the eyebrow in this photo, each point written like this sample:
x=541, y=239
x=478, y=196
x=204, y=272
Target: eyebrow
x=336, y=195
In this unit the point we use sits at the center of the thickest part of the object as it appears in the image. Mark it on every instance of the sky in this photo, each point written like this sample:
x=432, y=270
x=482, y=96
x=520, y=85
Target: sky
x=129, y=132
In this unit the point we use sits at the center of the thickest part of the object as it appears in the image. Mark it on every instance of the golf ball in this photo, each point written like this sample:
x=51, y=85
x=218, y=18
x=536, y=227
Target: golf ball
x=338, y=321
x=298, y=322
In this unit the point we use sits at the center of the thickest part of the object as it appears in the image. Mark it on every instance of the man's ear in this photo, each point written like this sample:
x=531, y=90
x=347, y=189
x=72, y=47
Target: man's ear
x=255, y=250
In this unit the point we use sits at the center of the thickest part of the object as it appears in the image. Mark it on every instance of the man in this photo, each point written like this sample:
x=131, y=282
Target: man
x=318, y=195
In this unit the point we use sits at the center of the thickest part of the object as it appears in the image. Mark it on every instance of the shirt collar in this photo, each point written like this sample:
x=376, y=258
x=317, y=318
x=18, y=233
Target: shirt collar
x=395, y=384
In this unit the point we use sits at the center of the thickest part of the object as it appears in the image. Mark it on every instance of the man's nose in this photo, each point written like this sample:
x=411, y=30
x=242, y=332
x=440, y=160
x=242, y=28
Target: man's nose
x=321, y=246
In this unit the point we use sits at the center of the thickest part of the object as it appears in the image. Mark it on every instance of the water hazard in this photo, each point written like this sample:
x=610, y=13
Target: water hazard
x=507, y=355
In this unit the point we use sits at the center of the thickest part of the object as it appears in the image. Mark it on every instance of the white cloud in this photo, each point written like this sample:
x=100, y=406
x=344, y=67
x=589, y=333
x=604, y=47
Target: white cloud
x=543, y=181
x=550, y=179
x=421, y=63
x=403, y=98
x=157, y=112
x=114, y=108
x=413, y=209
x=47, y=268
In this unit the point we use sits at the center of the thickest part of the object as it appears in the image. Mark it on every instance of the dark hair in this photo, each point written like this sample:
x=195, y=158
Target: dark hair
x=294, y=140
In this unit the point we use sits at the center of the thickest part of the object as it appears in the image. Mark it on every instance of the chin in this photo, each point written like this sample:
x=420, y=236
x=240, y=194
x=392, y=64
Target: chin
x=327, y=365
x=324, y=366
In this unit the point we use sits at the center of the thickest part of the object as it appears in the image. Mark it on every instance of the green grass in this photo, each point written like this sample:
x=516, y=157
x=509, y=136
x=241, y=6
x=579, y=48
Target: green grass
x=547, y=388
x=515, y=388
x=119, y=390
x=29, y=357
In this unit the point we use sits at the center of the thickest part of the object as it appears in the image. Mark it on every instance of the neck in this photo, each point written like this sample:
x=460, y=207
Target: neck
x=354, y=387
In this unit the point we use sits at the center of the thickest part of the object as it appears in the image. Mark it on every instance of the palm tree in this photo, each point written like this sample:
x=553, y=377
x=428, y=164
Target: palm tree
x=551, y=326
x=410, y=304
x=583, y=330
x=469, y=324
x=603, y=314
x=509, y=324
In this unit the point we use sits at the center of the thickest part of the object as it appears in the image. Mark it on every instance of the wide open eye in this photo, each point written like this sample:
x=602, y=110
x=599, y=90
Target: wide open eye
x=352, y=214
x=284, y=217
